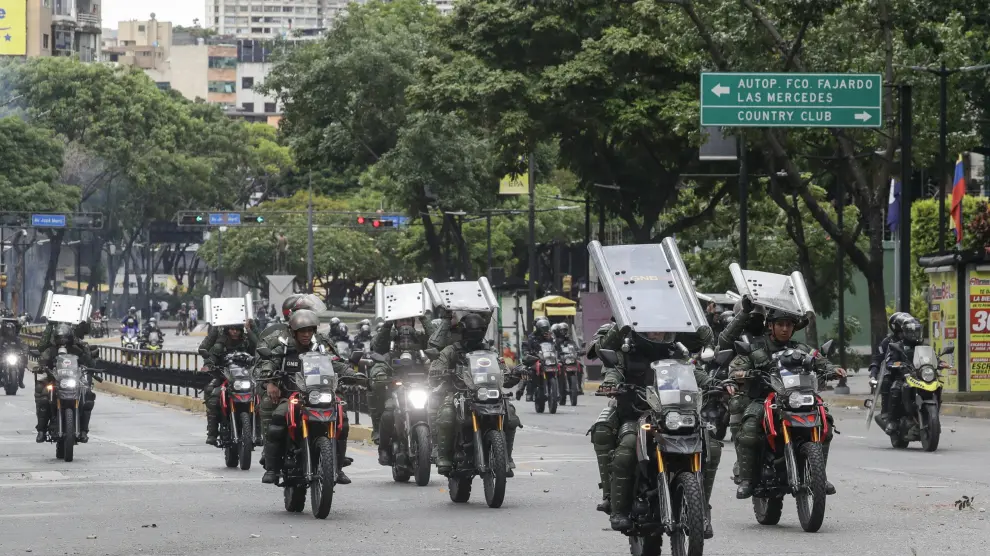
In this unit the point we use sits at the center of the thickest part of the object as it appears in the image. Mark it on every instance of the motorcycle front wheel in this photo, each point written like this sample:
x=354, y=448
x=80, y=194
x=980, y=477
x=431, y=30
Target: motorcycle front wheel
x=553, y=395
x=324, y=477
x=933, y=430
x=575, y=384
x=494, y=477
x=689, y=512
x=811, y=501
x=424, y=447
x=247, y=439
x=69, y=433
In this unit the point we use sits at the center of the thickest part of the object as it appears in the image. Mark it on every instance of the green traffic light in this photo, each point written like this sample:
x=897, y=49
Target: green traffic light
x=199, y=219
x=260, y=219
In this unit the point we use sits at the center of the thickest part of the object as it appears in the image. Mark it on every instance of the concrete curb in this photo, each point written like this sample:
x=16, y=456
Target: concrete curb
x=358, y=433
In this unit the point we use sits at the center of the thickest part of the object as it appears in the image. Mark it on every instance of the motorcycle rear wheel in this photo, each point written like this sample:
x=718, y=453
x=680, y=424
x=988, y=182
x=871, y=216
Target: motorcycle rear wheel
x=295, y=499
x=646, y=546
x=459, y=489
x=811, y=503
x=768, y=510
x=324, y=478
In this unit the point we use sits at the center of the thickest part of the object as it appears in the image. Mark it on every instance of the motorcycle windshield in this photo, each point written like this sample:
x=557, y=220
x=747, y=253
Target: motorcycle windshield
x=675, y=384
x=67, y=366
x=238, y=372
x=791, y=380
x=923, y=356
x=316, y=369
x=548, y=353
x=483, y=370
x=343, y=348
x=648, y=287
x=153, y=337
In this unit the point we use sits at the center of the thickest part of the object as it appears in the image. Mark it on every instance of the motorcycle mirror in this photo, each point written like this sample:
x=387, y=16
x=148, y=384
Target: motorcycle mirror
x=723, y=357
x=707, y=354
x=608, y=357
x=868, y=403
x=743, y=347
x=827, y=348
x=356, y=356
x=947, y=350
x=264, y=351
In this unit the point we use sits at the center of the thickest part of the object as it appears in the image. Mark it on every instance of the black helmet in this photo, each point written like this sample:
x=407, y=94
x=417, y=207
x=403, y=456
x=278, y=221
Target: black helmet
x=542, y=326
x=334, y=323
x=725, y=318
x=8, y=328
x=366, y=328
x=81, y=329
x=363, y=323
x=473, y=328
x=289, y=304
x=343, y=329
x=560, y=330
x=911, y=330
x=303, y=318
x=63, y=334
x=405, y=337
x=774, y=315
x=897, y=321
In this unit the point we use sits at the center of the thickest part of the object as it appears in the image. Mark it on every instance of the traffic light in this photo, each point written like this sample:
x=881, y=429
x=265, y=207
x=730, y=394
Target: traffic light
x=361, y=220
x=3, y=280
x=384, y=223
x=192, y=219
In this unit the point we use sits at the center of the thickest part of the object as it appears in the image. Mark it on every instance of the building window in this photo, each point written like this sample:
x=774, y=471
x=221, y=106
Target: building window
x=140, y=28
x=44, y=40
x=247, y=82
x=222, y=87
x=223, y=62
x=270, y=107
x=248, y=106
x=164, y=85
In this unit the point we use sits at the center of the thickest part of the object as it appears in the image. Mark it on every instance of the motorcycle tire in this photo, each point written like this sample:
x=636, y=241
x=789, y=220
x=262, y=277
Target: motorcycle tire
x=324, y=477
x=898, y=441
x=10, y=389
x=811, y=502
x=541, y=403
x=575, y=388
x=552, y=395
x=69, y=438
x=688, y=502
x=400, y=474
x=650, y=545
x=424, y=446
x=247, y=440
x=295, y=499
x=494, y=478
x=562, y=382
x=768, y=510
x=931, y=436
x=459, y=489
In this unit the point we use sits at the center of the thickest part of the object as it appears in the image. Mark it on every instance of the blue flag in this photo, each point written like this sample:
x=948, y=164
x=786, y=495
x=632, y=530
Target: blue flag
x=894, y=205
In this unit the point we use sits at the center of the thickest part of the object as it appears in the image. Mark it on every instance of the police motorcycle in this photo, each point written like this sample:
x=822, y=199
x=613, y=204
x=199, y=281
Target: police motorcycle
x=546, y=369
x=650, y=290
x=13, y=360
x=481, y=406
x=919, y=380
x=130, y=341
x=315, y=419
x=152, y=348
x=67, y=380
x=237, y=403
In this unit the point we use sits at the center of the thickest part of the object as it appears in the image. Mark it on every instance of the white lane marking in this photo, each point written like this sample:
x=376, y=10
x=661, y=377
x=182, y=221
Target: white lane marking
x=3, y=516
x=857, y=437
x=151, y=455
x=129, y=482
x=884, y=470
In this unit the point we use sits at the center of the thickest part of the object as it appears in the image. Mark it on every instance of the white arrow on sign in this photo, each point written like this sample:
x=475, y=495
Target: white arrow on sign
x=720, y=90
x=863, y=116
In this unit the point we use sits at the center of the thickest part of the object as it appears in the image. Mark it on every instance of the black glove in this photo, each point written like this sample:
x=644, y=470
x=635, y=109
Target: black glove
x=747, y=304
x=874, y=371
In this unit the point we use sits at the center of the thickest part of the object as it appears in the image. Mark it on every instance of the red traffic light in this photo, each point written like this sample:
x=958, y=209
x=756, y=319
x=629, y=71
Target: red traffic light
x=376, y=223
x=360, y=220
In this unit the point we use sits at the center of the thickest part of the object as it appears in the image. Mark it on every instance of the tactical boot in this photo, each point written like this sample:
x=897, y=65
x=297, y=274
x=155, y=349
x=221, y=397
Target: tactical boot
x=510, y=439
x=342, y=478
x=212, y=428
x=445, y=450
x=709, y=532
x=42, y=425
x=273, y=462
x=20, y=381
x=622, y=489
x=84, y=418
x=829, y=487
x=258, y=441
x=530, y=388
x=746, y=459
x=385, y=445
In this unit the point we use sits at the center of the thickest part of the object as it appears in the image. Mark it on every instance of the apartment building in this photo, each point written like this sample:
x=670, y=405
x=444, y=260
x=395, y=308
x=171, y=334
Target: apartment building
x=144, y=44
x=266, y=19
x=51, y=28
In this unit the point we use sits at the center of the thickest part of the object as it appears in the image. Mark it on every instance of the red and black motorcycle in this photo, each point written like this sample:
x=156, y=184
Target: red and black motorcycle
x=237, y=402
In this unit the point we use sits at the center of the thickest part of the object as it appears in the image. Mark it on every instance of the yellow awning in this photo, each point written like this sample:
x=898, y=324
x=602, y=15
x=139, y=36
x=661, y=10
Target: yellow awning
x=553, y=300
x=560, y=311
x=72, y=285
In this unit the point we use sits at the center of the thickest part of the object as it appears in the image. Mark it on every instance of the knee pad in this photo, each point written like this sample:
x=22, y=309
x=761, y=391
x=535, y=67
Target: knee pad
x=277, y=432
x=714, y=452
x=750, y=432
x=603, y=436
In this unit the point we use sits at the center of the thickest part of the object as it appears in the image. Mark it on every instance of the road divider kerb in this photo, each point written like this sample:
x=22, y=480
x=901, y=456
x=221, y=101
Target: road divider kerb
x=359, y=433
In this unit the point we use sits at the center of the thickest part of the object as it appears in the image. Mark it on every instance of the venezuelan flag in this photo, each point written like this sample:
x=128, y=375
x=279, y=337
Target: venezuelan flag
x=958, y=191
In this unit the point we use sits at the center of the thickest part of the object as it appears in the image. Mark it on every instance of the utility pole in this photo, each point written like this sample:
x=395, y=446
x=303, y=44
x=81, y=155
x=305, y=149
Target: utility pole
x=309, y=236
x=943, y=153
x=743, y=204
x=907, y=197
x=532, y=241
x=488, y=235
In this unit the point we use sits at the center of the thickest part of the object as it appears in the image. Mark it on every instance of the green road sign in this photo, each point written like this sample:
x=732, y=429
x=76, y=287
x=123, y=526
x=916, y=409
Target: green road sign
x=791, y=99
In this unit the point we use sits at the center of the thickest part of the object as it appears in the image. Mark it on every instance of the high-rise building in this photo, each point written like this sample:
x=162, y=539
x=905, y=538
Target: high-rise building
x=265, y=19
x=51, y=27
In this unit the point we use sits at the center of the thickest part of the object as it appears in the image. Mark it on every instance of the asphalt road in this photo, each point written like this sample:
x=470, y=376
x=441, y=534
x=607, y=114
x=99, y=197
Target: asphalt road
x=147, y=484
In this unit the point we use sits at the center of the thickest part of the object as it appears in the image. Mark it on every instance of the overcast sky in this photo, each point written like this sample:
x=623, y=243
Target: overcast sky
x=179, y=12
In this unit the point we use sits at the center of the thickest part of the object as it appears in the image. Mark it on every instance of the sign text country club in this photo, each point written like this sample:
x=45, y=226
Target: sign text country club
x=791, y=100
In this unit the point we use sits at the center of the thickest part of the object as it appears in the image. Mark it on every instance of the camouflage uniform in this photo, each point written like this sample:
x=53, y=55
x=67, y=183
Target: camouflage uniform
x=273, y=332
x=614, y=434
x=277, y=432
x=222, y=345
x=381, y=372
x=446, y=418
x=750, y=438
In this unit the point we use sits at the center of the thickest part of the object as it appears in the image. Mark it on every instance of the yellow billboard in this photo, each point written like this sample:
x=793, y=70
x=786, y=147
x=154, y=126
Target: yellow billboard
x=13, y=27
x=944, y=328
x=514, y=185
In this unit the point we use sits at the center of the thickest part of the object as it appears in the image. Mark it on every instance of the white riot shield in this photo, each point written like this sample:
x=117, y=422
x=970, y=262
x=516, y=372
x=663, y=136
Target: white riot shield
x=774, y=291
x=227, y=311
x=401, y=301
x=462, y=296
x=648, y=287
x=66, y=308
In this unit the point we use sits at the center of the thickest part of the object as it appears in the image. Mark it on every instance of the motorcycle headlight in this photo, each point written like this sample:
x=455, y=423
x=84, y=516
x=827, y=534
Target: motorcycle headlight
x=417, y=398
x=242, y=385
x=67, y=383
x=928, y=374
x=317, y=397
x=675, y=420
x=569, y=360
x=797, y=399
x=489, y=394
x=11, y=358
